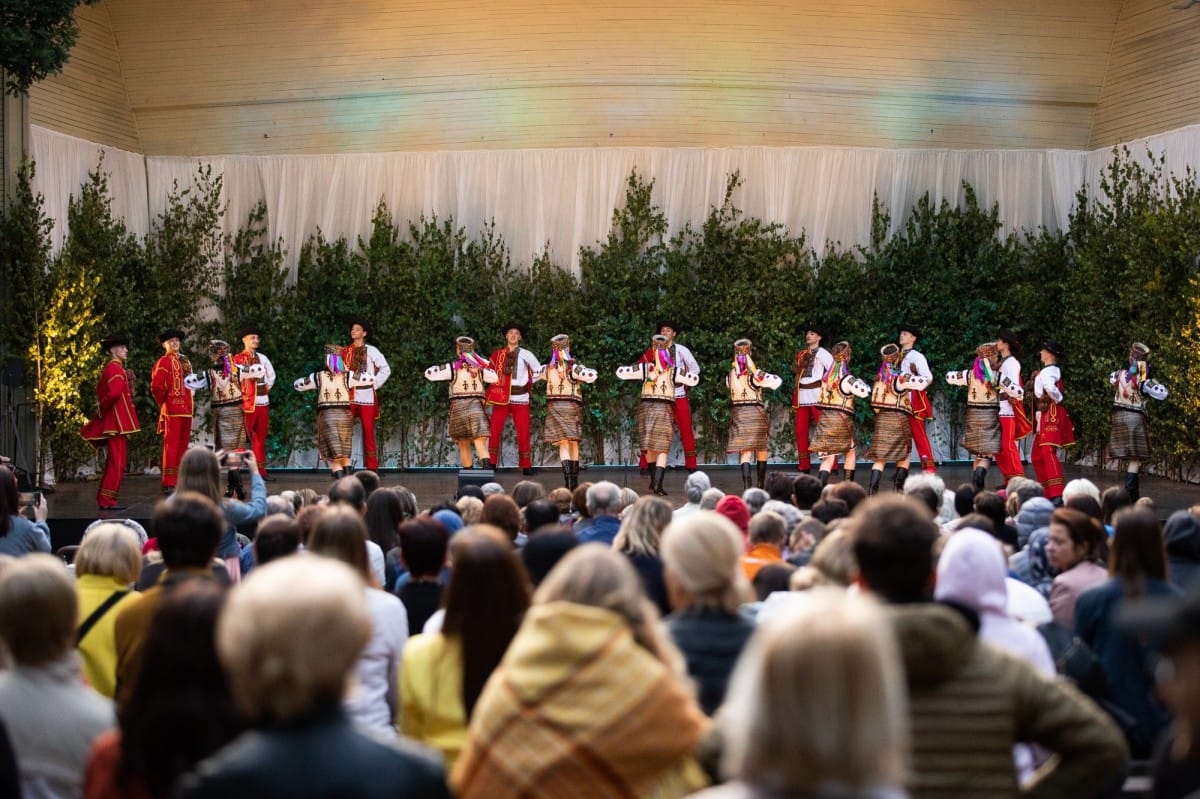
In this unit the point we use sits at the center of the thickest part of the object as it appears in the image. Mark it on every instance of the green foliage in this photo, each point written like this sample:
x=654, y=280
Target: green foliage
x=36, y=37
x=24, y=266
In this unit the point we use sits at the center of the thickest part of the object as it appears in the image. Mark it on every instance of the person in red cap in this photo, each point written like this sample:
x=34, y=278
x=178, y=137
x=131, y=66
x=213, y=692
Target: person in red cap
x=686, y=364
x=515, y=367
x=1052, y=422
x=734, y=508
x=913, y=363
x=256, y=400
x=175, y=405
x=811, y=364
x=362, y=358
x=115, y=419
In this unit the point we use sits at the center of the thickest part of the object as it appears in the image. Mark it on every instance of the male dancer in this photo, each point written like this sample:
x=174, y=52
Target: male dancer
x=811, y=364
x=660, y=375
x=981, y=424
x=1129, y=439
x=1053, y=423
x=686, y=362
x=834, y=434
x=256, y=400
x=335, y=420
x=748, y=423
x=564, y=377
x=363, y=358
x=468, y=375
x=515, y=367
x=1014, y=423
x=115, y=419
x=223, y=379
x=892, y=398
x=174, y=405
x=914, y=363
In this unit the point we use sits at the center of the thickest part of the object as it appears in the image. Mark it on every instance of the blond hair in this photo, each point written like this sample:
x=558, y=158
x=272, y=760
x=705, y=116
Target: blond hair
x=38, y=609
x=833, y=559
x=845, y=654
x=642, y=524
x=290, y=634
x=470, y=509
x=703, y=552
x=110, y=550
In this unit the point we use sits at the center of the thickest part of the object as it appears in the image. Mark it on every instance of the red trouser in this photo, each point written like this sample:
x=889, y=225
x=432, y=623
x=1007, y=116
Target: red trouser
x=176, y=437
x=687, y=437
x=257, y=424
x=806, y=417
x=1048, y=468
x=921, y=440
x=114, y=470
x=368, y=414
x=1008, y=459
x=520, y=417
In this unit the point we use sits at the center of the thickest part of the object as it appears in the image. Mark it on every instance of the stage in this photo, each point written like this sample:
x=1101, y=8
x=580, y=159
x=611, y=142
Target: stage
x=73, y=504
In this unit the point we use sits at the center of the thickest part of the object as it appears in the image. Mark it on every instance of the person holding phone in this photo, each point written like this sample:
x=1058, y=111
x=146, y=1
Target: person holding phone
x=115, y=419
x=18, y=535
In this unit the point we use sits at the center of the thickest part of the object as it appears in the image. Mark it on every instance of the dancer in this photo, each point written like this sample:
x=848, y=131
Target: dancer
x=914, y=363
x=115, y=419
x=175, y=405
x=468, y=376
x=1014, y=422
x=363, y=358
x=1129, y=439
x=834, y=433
x=335, y=419
x=748, y=423
x=981, y=425
x=564, y=377
x=224, y=383
x=684, y=360
x=515, y=367
x=1053, y=423
x=658, y=408
x=256, y=400
x=892, y=398
x=811, y=364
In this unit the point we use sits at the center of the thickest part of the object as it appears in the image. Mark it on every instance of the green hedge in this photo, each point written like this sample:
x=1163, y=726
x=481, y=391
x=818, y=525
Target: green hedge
x=1124, y=269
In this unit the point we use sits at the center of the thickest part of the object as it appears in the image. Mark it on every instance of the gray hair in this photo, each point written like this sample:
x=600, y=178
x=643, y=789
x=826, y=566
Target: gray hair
x=604, y=499
x=491, y=488
x=710, y=498
x=695, y=486
x=282, y=505
x=754, y=499
x=789, y=512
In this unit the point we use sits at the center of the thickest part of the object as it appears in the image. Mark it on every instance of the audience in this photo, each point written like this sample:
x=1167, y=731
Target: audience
x=767, y=535
x=1181, y=535
x=501, y=512
x=200, y=471
x=107, y=564
x=18, y=535
x=806, y=491
x=1073, y=544
x=276, y=537
x=693, y=489
x=639, y=539
x=423, y=545
x=603, y=514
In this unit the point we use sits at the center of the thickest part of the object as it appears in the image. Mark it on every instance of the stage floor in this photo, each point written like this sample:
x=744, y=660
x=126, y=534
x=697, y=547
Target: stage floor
x=73, y=505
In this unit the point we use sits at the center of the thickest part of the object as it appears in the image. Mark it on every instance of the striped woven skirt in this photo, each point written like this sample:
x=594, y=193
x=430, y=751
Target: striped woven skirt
x=564, y=421
x=747, y=428
x=656, y=424
x=335, y=432
x=834, y=433
x=892, y=439
x=981, y=431
x=468, y=420
x=231, y=427
x=1130, y=437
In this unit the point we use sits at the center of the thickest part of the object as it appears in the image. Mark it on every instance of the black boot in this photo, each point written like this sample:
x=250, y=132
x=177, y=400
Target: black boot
x=762, y=473
x=745, y=474
x=978, y=478
x=339, y=474
x=236, y=488
x=848, y=476
x=486, y=463
x=656, y=482
x=823, y=476
x=898, y=480
x=574, y=475
x=566, y=470
x=1132, y=485
x=873, y=486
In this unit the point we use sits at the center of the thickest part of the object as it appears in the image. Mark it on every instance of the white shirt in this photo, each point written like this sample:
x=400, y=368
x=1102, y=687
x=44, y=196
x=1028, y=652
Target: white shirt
x=685, y=361
x=914, y=363
x=1010, y=381
x=373, y=700
x=1047, y=383
x=822, y=362
x=267, y=379
x=376, y=366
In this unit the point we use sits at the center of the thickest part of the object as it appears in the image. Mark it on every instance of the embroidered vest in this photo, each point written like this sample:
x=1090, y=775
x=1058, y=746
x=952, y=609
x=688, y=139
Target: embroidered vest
x=742, y=390
x=224, y=390
x=467, y=382
x=333, y=390
x=561, y=385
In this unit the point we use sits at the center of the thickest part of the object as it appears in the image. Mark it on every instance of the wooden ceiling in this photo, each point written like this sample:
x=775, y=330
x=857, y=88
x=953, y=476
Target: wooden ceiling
x=180, y=77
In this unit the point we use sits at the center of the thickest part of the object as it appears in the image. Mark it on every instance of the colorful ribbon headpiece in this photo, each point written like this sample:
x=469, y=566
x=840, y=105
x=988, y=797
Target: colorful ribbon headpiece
x=333, y=359
x=218, y=351
x=742, y=361
x=1138, y=372
x=561, y=350
x=467, y=355
x=887, y=369
x=983, y=370
x=662, y=356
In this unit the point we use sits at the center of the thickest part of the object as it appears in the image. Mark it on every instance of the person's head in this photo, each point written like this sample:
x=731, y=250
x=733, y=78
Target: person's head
x=279, y=504
x=603, y=499
x=768, y=528
x=1137, y=552
x=188, y=526
x=833, y=558
x=307, y=496
x=668, y=328
x=829, y=510
x=38, y=609
x=971, y=571
x=423, y=543
x=513, y=333
x=491, y=488
x=171, y=340
x=527, y=491
x=991, y=505
x=732, y=508
x=470, y=490
x=771, y=578
x=369, y=479
x=540, y=513
x=384, y=513
x=341, y=535
x=1113, y=499
x=470, y=509
x=200, y=471
x=907, y=336
x=893, y=545
x=778, y=485
x=348, y=491
x=964, y=499
x=852, y=680
x=110, y=550
x=1007, y=343
x=1073, y=537
x=561, y=497
x=977, y=521
x=307, y=520
x=1080, y=485
x=755, y=498
x=813, y=334
x=710, y=498
x=628, y=497
x=806, y=491
x=485, y=602
x=695, y=485
x=115, y=346
x=251, y=337
x=289, y=636
x=849, y=492
x=544, y=550
x=277, y=537
x=500, y=511
x=1087, y=504
x=642, y=524
x=10, y=501
x=579, y=498
x=359, y=330
x=702, y=563
x=928, y=489
x=1020, y=490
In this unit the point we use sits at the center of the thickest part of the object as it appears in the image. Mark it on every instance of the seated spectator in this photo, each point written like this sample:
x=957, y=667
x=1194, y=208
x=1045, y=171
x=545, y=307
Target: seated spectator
x=853, y=682
x=1018, y=491
x=277, y=537
x=1181, y=534
x=561, y=497
x=289, y=638
x=383, y=514
x=767, y=533
x=790, y=513
x=603, y=510
x=733, y=509
x=964, y=499
x=1080, y=486
x=693, y=488
x=502, y=511
x=847, y=491
x=1085, y=503
x=1073, y=543
x=106, y=566
x=778, y=486
x=369, y=479
x=543, y=551
x=540, y=513
x=710, y=498
x=827, y=511
x=470, y=509
x=579, y=504
x=772, y=578
x=804, y=538
x=18, y=535
x=930, y=490
x=994, y=507
x=52, y=717
x=639, y=539
x=755, y=498
x=423, y=544
x=832, y=564
x=471, y=490
x=200, y=471
x=527, y=491
x=806, y=491
x=489, y=489
x=281, y=505
x=1113, y=499
x=628, y=497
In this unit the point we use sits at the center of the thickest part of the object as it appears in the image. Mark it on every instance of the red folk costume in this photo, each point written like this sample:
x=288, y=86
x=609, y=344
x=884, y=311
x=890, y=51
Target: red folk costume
x=362, y=358
x=255, y=396
x=515, y=367
x=1053, y=423
x=115, y=419
x=682, y=411
x=174, y=405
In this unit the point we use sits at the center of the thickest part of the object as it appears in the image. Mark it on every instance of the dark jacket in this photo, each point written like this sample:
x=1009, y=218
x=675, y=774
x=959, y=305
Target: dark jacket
x=322, y=757
x=711, y=640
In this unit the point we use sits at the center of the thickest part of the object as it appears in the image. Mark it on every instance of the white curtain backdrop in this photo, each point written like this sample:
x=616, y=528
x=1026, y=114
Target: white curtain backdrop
x=558, y=200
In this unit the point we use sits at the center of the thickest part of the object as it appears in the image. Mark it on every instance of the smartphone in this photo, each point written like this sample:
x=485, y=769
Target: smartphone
x=30, y=498
x=233, y=459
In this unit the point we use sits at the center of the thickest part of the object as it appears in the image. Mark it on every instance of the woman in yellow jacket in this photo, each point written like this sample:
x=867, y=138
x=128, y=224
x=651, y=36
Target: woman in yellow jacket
x=107, y=564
